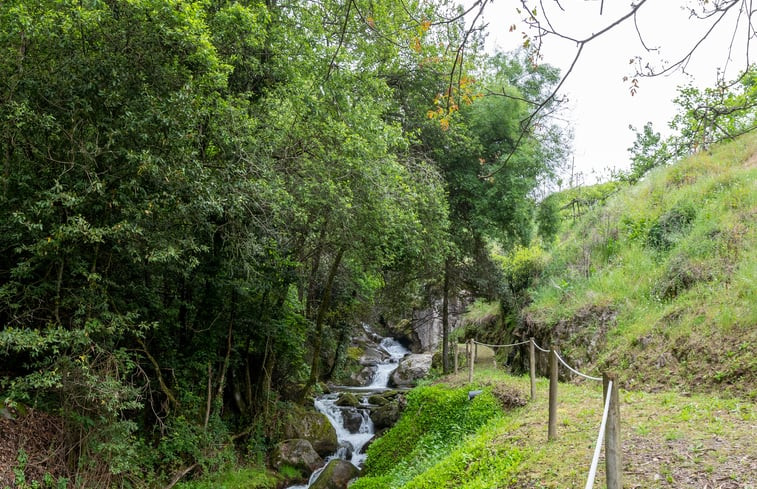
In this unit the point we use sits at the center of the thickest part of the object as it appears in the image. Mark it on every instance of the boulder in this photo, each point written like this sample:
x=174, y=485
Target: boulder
x=348, y=399
x=362, y=377
x=385, y=416
x=352, y=419
x=412, y=368
x=372, y=356
x=311, y=426
x=336, y=475
x=296, y=453
x=378, y=400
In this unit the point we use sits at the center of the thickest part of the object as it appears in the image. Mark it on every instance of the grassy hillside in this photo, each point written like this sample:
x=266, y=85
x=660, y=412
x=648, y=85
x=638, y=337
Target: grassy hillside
x=668, y=440
x=659, y=283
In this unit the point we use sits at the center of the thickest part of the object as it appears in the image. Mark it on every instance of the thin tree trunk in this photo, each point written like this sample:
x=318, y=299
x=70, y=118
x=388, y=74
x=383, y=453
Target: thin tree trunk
x=319, y=320
x=445, y=319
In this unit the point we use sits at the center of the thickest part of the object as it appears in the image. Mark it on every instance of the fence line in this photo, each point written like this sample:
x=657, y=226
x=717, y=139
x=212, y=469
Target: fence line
x=501, y=346
x=574, y=370
x=538, y=347
x=609, y=432
x=600, y=438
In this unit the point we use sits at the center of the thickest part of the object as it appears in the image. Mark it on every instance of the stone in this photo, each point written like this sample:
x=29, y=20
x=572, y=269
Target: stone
x=385, y=416
x=378, y=400
x=352, y=419
x=362, y=377
x=311, y=426
x=411, y=368
x=347, y=399
x=337, y=475
x=372, y=356
x=296, y=453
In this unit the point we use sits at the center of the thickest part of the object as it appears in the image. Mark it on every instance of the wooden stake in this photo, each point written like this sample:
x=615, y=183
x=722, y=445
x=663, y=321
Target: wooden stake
x=532, y=367
x=470, y=361
x=457, y=352
x=613, y=449
x=552, y=432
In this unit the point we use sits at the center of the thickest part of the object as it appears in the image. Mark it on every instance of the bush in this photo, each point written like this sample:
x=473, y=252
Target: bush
x=435, y=420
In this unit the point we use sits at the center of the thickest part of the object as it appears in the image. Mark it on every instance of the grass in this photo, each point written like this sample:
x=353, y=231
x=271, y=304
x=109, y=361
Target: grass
x=672, y=263
x=668, y=440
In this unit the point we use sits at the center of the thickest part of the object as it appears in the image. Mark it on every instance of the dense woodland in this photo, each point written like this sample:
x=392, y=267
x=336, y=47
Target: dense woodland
x=201, y=198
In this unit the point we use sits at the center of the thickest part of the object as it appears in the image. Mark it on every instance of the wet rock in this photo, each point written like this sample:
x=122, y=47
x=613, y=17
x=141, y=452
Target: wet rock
x=378, y=400
x=362, y=377
x=336, y=475
x=348, y=399
x=296, y=453
x=372, y=356
x=313, y=427
x=352, y=419
x=411, y=368
x=385, y=416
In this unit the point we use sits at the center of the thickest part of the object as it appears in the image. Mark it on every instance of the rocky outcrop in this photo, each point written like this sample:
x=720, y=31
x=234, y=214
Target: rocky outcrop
x=313, y=427
x=427, y=323
x=337, y=475
x=411, y=368
x=296, y=453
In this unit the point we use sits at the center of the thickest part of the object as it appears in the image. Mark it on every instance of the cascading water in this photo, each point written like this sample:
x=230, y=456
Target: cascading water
x=353, y=425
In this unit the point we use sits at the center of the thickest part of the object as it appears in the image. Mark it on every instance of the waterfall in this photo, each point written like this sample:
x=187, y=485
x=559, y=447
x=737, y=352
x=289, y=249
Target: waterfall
x=353, y=425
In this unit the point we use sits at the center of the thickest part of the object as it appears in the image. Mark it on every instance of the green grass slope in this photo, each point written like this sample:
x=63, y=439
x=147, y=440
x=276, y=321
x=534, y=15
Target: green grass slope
x=658, y=284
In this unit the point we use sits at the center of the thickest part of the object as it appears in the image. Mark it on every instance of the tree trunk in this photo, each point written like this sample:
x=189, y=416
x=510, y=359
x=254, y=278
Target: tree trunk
x=445, y=319
x=315, y=366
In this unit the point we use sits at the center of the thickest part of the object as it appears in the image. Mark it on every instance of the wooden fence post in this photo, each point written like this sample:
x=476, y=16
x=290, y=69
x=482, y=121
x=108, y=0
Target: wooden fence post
x=613, y=467
x=494, y=358
x=552, y=432
x=470, y=361
x=532, y=367
x=457, y=351
x=475, y=351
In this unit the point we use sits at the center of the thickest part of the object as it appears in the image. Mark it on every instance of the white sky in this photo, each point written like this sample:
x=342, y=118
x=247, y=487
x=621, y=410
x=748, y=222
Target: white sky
x=601, y=106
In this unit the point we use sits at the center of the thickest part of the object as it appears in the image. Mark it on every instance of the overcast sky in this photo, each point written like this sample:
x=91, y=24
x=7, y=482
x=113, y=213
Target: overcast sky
x=601, y=106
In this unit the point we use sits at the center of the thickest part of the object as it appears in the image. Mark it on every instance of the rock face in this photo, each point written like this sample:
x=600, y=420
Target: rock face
x=336, y=475
x=296, y=453
x=427, y=323
x=412, y=368
x=313, y=427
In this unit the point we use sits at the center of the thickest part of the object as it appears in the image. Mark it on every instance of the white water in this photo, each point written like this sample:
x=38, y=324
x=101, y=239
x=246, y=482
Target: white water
x=351, y=443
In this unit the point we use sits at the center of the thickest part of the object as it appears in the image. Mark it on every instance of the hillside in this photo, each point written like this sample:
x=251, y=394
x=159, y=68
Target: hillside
x=658, y=283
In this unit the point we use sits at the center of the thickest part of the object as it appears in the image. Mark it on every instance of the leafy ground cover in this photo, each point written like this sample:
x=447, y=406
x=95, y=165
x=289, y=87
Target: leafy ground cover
x=668, y=439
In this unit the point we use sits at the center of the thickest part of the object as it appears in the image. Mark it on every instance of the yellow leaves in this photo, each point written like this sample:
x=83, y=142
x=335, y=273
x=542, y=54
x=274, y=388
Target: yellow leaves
x=425, y=25
x=415, y=45
x=444, y=123
x=371, y=22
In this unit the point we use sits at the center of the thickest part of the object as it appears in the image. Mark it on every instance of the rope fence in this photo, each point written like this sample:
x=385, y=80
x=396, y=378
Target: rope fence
x=609, y=429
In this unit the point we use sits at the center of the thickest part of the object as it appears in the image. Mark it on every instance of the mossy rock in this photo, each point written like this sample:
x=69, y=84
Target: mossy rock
x=337, y=475
x=348, y=399
x=310, y=425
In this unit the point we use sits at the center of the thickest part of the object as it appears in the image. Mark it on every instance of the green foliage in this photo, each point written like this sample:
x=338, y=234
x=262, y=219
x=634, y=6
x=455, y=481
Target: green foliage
x=419, y=436
x=548, y=218
x=244, y=478
x=707, y=116
x=672, y=225
x=649, y=151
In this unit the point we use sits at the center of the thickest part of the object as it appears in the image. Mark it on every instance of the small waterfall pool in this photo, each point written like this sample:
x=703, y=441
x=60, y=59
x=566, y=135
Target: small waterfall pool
x=353, y=425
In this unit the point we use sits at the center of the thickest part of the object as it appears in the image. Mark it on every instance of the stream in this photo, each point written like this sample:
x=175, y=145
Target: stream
x=354, y=428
